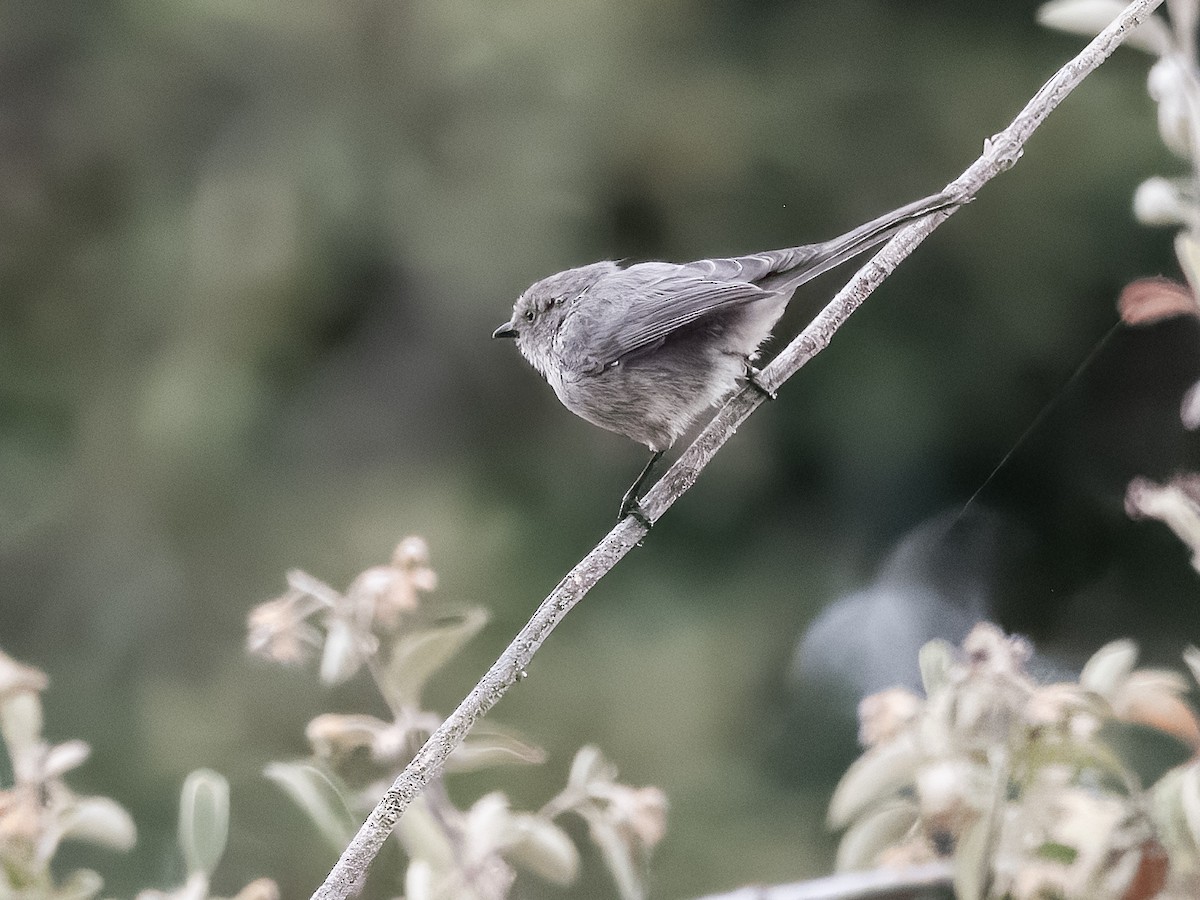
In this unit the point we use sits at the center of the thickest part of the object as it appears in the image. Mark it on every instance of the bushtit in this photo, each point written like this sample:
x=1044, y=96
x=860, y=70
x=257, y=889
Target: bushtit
x=644, y=350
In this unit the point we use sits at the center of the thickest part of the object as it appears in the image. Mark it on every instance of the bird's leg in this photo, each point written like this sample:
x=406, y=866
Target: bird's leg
x=629, y=503
x=751, y=376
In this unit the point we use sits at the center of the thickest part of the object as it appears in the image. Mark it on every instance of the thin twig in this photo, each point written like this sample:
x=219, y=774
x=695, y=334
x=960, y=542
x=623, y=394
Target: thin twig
x=929, y=880
x=1000, y=153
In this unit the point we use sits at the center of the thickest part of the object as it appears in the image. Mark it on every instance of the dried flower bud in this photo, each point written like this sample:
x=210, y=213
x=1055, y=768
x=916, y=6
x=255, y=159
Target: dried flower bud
x=412, y=556
x=1063, y=706
x=277, y=630
x=412, y=552
x=1150, y=300
x=883, y=715
x=381, y=595
x=990, y=651
x=640, y=812
x=334, y=735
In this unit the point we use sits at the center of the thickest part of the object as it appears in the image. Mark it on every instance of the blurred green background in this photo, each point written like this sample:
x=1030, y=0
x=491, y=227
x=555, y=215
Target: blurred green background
x=252, y=253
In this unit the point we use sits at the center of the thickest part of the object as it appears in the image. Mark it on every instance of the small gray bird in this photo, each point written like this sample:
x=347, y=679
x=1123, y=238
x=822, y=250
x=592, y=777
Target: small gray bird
x=644, y=350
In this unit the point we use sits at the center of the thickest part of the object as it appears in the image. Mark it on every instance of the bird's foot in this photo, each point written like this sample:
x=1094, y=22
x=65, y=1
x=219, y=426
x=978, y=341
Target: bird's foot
x=751, y=376
x=631, y=506
x=631, y=502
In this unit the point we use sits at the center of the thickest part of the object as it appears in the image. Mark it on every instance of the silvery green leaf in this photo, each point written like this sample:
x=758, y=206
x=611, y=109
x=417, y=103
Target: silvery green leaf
x=1170, y=823
x=259, y=889
x=1189, y=410
x=418, y=881
x=424, y=837
x=1090, y=17
x=873, y=777
x=342, y=656
x=492, y=747
x=972, y=861
x=21, y=727
x=873, y=833
x=1108, y=668
x=617, y=855
x=1191, y=656
x=62, y=758
x=1189, y=800
x=321, y=796
x=543, y=848
x=416, y=655
x=82, y=884
x=1187, y=251
x=203, y=820
x=1184, y=15
x=1171, y=85
x=935, y=659
x=99, y=820
x=590, y=767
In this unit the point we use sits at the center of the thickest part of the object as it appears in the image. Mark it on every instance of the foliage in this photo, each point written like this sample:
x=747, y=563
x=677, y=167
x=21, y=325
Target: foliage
x=1024, y=784
x=39, y=811
x=383, y=623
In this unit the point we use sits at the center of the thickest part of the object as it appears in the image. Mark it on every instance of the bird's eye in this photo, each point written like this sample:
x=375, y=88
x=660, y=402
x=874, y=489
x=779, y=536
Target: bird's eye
x=529, y=316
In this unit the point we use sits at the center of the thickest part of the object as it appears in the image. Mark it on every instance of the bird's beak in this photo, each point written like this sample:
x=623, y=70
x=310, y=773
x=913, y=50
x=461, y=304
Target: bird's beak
x=505, y=331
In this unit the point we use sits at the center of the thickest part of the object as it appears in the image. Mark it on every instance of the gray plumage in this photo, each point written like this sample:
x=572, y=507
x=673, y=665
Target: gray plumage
x=644, y=350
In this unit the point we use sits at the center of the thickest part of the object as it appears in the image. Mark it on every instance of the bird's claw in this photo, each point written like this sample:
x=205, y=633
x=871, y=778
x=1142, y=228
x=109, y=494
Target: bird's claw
x=632, y=507
x=751, y=376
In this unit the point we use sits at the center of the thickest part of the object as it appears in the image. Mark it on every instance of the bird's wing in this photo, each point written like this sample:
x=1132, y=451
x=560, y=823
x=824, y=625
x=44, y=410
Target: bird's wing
x=637, y=308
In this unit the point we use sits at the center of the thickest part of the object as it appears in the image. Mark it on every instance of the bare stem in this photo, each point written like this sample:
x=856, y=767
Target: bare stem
x=999, y=154
x=929, y=880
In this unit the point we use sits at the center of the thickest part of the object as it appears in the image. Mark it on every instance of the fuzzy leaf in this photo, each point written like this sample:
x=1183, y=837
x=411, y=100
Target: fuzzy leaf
x=971, y=861
x=21, y=728
x=418, y=881
x=101, y=821
x=618, y=857
x=486, y=748
x=203, y=820
x=416, y=655
x=873, y=833
x=322, y=797
x=1108, y=668
x=82, y=884
x=424, y=838
x=544, y=849
x=1191, y=656
x=590, y=767
x=873, y=777
x=1090, y=17
x=935, y=659
x=1189, y=800
x=1170, y=822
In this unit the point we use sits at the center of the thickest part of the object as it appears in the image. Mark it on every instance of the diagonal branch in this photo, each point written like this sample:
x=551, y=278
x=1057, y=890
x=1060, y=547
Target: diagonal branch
x=1000, y=153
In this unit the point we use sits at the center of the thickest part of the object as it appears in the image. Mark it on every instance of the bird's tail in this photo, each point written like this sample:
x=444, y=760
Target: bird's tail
x=785, y=270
